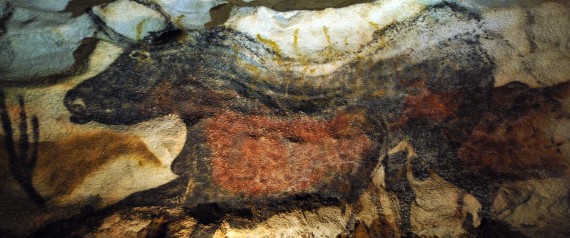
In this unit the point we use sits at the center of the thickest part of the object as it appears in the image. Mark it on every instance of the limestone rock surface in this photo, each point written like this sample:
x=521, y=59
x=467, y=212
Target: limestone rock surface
x=52, y=6
x=414, y=118
x=533, y=46
x=189, y=14
x=37, y=44
x=535, y=207
x=131, y=19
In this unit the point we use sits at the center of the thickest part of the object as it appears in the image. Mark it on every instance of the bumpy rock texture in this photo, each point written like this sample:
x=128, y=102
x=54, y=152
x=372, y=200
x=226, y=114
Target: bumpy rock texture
x=36, y=44
x=414, y=118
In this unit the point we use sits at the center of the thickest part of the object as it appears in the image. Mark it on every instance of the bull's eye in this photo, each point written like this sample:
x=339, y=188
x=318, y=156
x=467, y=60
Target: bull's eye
x=140, y=55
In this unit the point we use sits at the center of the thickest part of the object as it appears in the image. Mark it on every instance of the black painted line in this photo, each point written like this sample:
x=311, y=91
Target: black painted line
x=21, y=172
x=7, y=127
x=36, y=141
x=24, y=143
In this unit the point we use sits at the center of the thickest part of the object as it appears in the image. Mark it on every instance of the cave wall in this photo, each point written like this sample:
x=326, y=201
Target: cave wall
x=156, y=118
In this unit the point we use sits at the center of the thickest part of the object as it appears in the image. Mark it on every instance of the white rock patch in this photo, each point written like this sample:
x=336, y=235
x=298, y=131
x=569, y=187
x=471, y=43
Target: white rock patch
x=44, y=5
x=306, y=32
x=130, y=19
x=536, y=208
x=441, y=209
x=38, y=43
x=529, y=42
x=531, y=45
x=117, y=180
x=190, y=14
x=323, y=222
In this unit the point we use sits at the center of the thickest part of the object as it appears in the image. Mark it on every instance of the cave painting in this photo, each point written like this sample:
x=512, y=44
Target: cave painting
x=265, y=133
x=289, y=137
x=263, y=137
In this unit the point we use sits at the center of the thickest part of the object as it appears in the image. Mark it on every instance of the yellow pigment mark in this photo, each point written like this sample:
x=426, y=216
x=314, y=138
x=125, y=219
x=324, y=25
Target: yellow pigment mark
x=358, y=71
x=253, y=69
x=139, y=29
x=178, y=24
x=142, y=60
x=330, y=51
x=375, y=25
x=370, y=63
x=235, y=48
x=379, y=93
x=296, y=39
x=346, y=41
x=305, y=69
x=383, y=42
x=304, y=63
x=274, y=46
x=326, y=30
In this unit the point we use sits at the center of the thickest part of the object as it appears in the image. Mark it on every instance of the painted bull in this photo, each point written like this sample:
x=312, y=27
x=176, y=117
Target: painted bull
x=269, y=134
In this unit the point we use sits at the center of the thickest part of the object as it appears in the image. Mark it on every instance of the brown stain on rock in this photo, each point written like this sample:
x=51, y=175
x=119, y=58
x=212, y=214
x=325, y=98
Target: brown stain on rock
x=360, y=231
x=162, y=94
x=514, y=139
x=264, y=155
x=382, y=227
x=63, y=165
x=437, y=106
x=379, y=227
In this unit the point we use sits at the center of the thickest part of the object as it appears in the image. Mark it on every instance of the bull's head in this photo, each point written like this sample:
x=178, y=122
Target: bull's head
x=120, y=94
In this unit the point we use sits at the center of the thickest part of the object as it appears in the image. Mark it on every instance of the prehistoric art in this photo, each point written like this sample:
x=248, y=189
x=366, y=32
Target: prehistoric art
x=388, y=118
